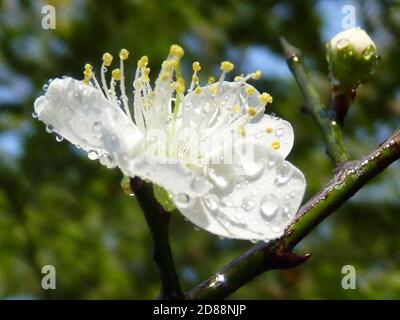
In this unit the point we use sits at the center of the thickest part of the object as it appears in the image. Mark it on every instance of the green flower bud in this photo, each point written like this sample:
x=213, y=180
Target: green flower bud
x=352, y=58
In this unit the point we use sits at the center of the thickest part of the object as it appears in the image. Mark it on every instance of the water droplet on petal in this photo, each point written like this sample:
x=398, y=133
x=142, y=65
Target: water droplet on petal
x=211, y=202
x=96, y=128
x=253, y=169
x=50, y=128
x=35, y=114
x=268, y=208
x=45, y=87
x=59, y=138
x=279, y=132
x=92, y=155
x=283, y=174
x=218, y=180
x=248, y=204
x=182, y=199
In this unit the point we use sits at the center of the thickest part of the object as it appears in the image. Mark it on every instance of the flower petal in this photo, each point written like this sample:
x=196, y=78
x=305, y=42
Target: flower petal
x=250, y=200
x=80, y=113
x=225, y=107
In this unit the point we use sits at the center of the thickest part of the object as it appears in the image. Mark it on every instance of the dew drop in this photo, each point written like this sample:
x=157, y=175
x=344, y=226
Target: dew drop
x=92, y=155
x=182, y=199
x=253, y=169
x=258, y=135
x=283, y=174
x=96, y=128
x=35, y=115
x=211, y=202
x=59, y=138
x=279, y=132
x=219, y=181
x=268, y=208
x=45, y=87
x=248, y=204
x=50, y=128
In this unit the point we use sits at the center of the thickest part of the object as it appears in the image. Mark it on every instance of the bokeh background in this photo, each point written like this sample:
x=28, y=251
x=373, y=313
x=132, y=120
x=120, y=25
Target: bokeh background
x=57, y=207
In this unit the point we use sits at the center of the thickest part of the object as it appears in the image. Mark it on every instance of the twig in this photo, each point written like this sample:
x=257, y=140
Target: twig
x=331, y=130
x=158, y=221
x=349, y=178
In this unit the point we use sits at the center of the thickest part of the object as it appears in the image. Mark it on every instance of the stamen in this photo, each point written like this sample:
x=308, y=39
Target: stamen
x=123, y=55
x=195, y=79
x=266, y=98
x=250, y=91
x=257, y=75
x=107, y=59
x=88, y=73
x=251, y=111
x=211, y=80
x=176, y=51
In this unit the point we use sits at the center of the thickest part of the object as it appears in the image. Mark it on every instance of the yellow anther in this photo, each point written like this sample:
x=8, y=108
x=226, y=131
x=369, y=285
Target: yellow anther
x=195, y=79
x=198, y=90
x=171, y=64
x=266, y=98
x=237, y=108
x=214, y=90
x=269, y=130
x=257, y=75
x=116, y=74
x=143, y=62
x=123, y=54
x=227, y=66
x=238, y=78
x=250, y=90
x=196, y=66
x=146, y=74
x=242, y=130
x=251, y=111
x=275, y=144
x=88, y=73
x=211, y=80
x=107, y=59
x=177, y=51
x=165, y=76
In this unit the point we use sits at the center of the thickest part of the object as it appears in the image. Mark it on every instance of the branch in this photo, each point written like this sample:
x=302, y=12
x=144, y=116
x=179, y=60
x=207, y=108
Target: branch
x=348, y=179
x=330, y=129
x=158, y=221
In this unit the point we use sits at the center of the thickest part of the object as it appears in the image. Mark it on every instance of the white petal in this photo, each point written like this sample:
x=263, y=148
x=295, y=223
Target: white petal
x=80, y=113
x=212, y=114
x=249, y=203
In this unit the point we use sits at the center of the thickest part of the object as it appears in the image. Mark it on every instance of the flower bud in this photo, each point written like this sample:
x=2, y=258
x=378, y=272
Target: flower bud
x=352, y=58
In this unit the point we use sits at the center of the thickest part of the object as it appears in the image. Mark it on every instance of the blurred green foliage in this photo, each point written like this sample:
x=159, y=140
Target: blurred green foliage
x=57, y=207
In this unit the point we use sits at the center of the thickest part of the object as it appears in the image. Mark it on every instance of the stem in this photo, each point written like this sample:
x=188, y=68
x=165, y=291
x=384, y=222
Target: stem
x=332, y=133
x=158, y=221
x=341, y=101
x=349, y=178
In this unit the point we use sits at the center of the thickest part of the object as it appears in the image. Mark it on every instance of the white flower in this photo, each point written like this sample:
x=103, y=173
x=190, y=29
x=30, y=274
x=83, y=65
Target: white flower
x=250, y=193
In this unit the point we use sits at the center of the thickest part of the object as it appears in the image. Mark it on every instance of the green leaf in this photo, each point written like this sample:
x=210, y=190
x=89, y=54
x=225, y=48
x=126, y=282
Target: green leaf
x=164, y=198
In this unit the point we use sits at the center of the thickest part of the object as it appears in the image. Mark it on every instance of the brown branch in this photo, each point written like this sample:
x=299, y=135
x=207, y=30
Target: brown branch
x=158, y=221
